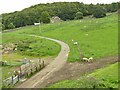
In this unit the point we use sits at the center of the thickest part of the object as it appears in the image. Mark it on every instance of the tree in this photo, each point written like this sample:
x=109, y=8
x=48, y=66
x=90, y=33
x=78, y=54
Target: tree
x=85, y=12
x=45, y=17
x=3, y=27
x=11, y=26
x=99, y=12
x=79, y=15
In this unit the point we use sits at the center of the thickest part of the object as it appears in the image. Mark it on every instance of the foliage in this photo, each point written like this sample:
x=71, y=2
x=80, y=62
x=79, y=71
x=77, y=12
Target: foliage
x=99, y=12
x=45, y=17
x=65, y=10
x=11, y=26
x=3, y=27
x=79, y=15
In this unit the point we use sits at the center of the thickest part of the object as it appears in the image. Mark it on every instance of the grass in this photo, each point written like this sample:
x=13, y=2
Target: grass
x=108, y=75
x=31, y=46
x=97, y=37
x=102, y=78
x=27, y=47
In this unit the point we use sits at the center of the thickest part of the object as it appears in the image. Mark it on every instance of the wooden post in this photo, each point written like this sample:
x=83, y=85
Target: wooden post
x=42, y=64
x=18, y=77
x=39, y=66
x=20, y=69
x=39, y=60
x=12, y=80
x=31, y=70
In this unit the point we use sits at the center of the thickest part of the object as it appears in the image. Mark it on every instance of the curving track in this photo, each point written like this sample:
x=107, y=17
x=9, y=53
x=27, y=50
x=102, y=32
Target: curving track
x=44, y=74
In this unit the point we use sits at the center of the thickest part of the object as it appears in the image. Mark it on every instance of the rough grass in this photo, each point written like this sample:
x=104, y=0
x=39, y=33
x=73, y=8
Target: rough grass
x=97, y=37
x=32, y=46
x=108, y=75
x=36, y=48
x=102, y=78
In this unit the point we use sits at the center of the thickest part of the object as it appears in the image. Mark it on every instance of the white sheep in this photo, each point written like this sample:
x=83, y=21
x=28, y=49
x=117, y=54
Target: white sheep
x=5, y=61
x=91, y=58
x=15, y=49
x=75, y=43
x=86, y=59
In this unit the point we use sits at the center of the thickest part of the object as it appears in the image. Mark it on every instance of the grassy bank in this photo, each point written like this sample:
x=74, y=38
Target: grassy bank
x=102, y=78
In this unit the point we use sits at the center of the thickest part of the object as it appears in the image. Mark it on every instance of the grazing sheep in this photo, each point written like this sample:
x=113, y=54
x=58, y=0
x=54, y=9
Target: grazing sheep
x=72, y=40
x=75, y=43
x=88, y=60
x=91, y=58
x=85, y=59
x=15, y=49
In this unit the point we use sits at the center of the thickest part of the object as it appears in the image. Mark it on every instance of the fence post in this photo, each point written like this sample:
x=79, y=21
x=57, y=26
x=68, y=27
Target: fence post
x=42, y=64
x=39, y=66
x=36, y=68
x=18, y=77
x=39, y=60
x=31, y=70
x=12, y=80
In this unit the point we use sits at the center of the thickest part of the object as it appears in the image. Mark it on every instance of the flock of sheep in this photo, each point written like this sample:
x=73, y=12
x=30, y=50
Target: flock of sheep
x=84, y=58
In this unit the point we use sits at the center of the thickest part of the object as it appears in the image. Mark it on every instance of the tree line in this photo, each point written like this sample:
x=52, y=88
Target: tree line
x=64, y=10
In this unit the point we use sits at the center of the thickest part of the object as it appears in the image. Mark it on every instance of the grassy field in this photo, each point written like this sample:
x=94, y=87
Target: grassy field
x=27, y=47
x=96, y=37
x=31, y=46
x=102, y=78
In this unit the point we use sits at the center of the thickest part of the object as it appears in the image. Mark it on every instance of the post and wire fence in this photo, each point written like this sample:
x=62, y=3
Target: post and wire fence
x=25, y=71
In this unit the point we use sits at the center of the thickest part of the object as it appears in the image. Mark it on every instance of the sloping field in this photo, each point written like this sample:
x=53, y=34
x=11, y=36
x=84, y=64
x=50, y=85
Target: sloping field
x=96, y=37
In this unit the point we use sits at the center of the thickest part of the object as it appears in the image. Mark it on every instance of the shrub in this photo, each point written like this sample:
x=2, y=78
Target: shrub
x=79, y=15
x=99, y=12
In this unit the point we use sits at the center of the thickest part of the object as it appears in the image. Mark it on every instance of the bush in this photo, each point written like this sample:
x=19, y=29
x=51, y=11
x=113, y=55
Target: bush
x=99, y=12
x=79, y=15
x=11, y=26
x=45, y=17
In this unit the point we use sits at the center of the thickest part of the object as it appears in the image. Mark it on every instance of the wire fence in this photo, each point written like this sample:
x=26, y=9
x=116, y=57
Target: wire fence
x=26, y=70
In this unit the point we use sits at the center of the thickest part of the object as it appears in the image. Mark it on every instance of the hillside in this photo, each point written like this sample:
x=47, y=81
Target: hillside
x=64, y=10
x=96, y=37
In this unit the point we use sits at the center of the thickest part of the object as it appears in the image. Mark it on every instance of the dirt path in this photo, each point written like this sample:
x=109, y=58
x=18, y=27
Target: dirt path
x=53, y=67
x=75, y=70
x=59, y=70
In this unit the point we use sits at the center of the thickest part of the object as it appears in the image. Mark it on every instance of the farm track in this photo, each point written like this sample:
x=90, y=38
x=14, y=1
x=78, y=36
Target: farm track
x=53, y=67
x=59, y=69
x=71, y=71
